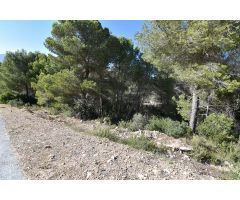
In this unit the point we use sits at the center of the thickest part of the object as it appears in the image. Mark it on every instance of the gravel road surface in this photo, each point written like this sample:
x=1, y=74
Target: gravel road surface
x=9, y=168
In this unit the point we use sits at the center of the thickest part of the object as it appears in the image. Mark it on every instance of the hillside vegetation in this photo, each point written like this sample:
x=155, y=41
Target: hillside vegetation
x=183, y=79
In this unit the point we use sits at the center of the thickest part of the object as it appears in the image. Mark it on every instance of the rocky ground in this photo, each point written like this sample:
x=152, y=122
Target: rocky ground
x=50, y=147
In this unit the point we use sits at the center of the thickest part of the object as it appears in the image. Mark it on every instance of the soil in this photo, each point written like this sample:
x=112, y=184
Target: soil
x=55, y=147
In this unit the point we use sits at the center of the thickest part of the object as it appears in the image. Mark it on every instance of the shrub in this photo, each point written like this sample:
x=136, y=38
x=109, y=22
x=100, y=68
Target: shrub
x=6, y=97
x=60, y=108
x=205, y=150
x=144, y=143
x=138, y=122
x=16, y=102
x=124, y=124
x=106, y=133
x=235, y=173
x=85, y=108
x=217, y=126
x=168, y=126
x=233, y=152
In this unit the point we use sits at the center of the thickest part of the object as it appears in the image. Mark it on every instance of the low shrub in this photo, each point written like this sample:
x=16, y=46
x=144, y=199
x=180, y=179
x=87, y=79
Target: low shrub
x=235, y=173
x=106, y=133
x=217, y=127
x=166, y=125
x=6, y=97
x=233, y=152
x=60, y=108
x=138, y=122
x=16, y=102
x=205, y=150
x=124, y=124
x=145, y=144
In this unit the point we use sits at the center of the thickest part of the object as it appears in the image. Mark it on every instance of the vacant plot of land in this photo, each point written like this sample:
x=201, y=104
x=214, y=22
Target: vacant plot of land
x=48, y=149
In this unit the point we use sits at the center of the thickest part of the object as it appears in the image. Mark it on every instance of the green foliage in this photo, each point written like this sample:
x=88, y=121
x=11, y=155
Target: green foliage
x=106, y=133
x=5, y=97
x=138, y=122
x=183, y=106
x=232, y=152
x=124, y=124
x=235, y=173
x=60, y=87
x=18, y=71
x=168, y=126
x=195, y=53
x=145, y=144
x=205, y=150
x=219, y=127
x=208, y=150
x=94, y=72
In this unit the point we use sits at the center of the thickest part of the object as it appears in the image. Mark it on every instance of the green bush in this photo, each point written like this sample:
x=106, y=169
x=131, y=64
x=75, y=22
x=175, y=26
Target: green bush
x=205, y=150
x=145, y=144
x=124, y=124
x=168, y=126
x=233, y=152
x=138, y=122
x=6, y=97
x=235, y=173
x=218, y=127
x=60, y=108
x=106, y=133
x=16, y=102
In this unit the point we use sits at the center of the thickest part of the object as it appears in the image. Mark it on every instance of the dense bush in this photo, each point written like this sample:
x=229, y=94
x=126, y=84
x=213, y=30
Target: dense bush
x=6, y=97
x=16, y=102
x=235, y=174
x=168, y=126
x=233, y=153
x=205, y=150
x=138, y=122
x=219, y=127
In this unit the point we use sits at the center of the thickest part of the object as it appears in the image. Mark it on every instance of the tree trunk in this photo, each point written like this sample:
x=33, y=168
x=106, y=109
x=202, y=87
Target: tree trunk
x=27, y=91
x=101, y=107
x=194, y=110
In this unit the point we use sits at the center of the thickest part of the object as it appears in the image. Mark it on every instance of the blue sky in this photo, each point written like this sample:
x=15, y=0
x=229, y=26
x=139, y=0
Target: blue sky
x=30, y=34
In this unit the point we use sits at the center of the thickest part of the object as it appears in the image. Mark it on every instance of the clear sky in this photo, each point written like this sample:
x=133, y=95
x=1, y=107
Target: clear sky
x=30, y=34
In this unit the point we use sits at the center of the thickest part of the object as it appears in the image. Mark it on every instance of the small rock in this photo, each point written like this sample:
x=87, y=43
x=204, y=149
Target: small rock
x=186, y=157
x=114, y=157
x=48, y=147
x=226, y=163
x=155, y=171
x=89, y=174
x=141, y=177
x=166, y=171
x=51, y=157
x=96, y=162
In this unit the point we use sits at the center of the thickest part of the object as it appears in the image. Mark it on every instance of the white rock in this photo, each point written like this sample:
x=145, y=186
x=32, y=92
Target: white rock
x=140, y=176
x=89, y=174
